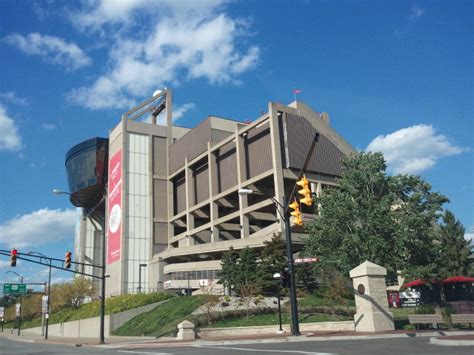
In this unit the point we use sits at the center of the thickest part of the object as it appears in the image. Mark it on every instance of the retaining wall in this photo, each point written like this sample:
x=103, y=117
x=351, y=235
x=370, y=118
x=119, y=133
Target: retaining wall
x=90, y=327
x=272, y=329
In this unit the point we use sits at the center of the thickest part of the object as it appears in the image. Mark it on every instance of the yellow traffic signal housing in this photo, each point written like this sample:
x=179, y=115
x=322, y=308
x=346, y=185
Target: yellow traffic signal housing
x=296, y=213
x=305, y=191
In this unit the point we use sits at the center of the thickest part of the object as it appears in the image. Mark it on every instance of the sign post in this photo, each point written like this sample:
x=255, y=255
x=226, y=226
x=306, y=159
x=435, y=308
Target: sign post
x=18, y=316
x=2, y=315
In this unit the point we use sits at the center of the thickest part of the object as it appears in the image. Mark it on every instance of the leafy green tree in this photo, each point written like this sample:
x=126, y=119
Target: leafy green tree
x=72, y=294
x=373, y=216
x=452, y=250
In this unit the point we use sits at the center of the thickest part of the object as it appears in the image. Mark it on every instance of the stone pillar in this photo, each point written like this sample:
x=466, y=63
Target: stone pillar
x=186, y=331
x=372, y=314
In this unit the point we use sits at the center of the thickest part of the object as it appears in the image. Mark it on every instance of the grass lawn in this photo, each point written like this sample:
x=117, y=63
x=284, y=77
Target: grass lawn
x=272, y=319
x=89, y=310
x=163, y=319
x=402, y=313
x=317, y=301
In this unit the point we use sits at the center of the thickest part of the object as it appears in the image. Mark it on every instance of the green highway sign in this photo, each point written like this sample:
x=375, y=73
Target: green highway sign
x=14, y=288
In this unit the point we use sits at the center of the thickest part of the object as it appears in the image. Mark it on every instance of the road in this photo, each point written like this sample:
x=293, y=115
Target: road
x=340, y=347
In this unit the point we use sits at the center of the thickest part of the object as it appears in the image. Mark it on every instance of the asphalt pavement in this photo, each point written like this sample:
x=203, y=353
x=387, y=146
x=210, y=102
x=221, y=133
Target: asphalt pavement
x=363, y=345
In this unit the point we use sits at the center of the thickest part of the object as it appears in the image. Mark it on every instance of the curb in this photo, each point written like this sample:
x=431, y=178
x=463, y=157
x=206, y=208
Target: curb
x=310, y=337
x=451, y=342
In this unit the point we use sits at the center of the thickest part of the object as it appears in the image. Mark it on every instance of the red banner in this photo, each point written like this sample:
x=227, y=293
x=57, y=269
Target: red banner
x=115, y=208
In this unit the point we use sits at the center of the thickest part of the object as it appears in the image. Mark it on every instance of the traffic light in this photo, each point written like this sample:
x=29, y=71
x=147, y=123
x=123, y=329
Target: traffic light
x=13, y=256
x=67, y=260
x=305, y=191
x=296, y=213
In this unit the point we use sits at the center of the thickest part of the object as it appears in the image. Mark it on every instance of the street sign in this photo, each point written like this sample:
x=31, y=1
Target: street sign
x=2, y=312
x=14, y=289
x=18, y=310
x=44, y=304
x=306, y=260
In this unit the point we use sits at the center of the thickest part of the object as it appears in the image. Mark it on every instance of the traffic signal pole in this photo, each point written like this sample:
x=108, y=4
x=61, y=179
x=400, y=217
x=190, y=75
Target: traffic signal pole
x=48, y=302
x=295, y=327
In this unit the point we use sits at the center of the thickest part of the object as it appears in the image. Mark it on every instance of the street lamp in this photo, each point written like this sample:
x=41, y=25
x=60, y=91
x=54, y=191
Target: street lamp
x=101, y=221
x=49, y=290
x=21, y=298
x=277, y=276
x=139, y=289
x=282, y=211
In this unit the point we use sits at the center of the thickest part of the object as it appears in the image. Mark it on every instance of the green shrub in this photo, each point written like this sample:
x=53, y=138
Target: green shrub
x=425, y=309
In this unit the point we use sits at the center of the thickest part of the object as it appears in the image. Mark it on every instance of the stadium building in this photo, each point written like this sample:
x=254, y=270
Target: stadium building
x=170, y=194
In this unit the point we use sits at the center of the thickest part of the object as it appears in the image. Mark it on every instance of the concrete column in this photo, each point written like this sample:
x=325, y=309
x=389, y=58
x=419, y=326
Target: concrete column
x=241, y=176
x=372, y=313
x=125, y=201
x=189, y=183
x=186, y=331
x=276, y=156
x=169, y=142
x=213, y=210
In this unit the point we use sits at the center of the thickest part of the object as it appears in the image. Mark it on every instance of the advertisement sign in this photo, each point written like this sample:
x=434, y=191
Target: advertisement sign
x=115, y=208
x=393, y=299
x=410, y=299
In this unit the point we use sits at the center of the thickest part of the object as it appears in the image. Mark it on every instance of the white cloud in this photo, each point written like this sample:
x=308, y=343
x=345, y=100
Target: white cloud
x=416, y=12
x=10, y=139
x=186, y=40
x=106, y=11
x=98, y=13
x=52, y=49
x=12, y=98
x=414, y=149
x=179, y=112
x=43, y=226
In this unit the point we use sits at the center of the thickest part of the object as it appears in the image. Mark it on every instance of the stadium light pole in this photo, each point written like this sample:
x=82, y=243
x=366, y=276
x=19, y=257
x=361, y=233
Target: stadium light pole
x=102, y=297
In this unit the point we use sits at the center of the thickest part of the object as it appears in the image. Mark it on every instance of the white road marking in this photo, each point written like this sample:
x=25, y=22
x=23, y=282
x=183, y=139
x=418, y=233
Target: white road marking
x=143, y=352
x=266, y=350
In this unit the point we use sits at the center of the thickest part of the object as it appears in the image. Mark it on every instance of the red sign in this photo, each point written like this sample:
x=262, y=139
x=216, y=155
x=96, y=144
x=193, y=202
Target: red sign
x=115, y=208
x=306, y=260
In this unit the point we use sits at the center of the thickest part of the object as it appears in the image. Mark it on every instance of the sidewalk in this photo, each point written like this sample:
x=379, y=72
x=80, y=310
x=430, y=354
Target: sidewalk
x=448, y=338
x=34, y=338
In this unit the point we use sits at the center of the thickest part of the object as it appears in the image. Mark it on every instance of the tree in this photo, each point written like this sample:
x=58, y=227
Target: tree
x=453, y=250
x=246, y=269
x=228, y=268
x=374, y=216
x=272, y=260
x=72, y=294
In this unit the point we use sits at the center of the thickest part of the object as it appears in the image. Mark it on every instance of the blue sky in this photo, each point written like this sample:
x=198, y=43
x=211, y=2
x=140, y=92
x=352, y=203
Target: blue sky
x=395, y=76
